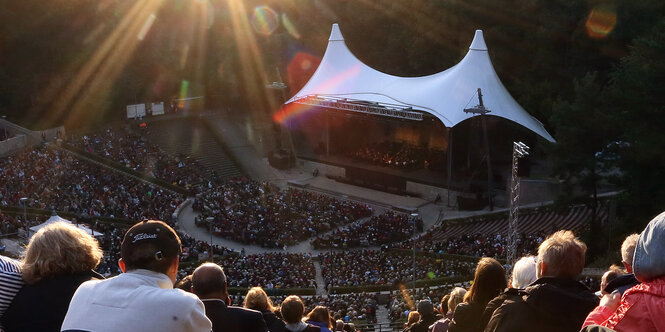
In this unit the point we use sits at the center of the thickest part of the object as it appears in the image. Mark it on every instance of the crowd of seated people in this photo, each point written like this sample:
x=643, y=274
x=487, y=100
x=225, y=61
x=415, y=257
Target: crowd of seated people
x=388, y=227
x=399, y=155
x=131, y=148
x=542, y=293
x=402, y=303
x=479, y=245
x=346, y=307
x=259, y=213
x=270, y=270
x=51, y=179
x=374, y=267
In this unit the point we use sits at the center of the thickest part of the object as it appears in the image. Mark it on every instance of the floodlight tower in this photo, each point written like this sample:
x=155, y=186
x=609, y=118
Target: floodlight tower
x=520, y=150
x=480, y=109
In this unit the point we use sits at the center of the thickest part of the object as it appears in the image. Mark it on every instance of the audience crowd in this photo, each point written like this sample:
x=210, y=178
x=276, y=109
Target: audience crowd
x=478, y=245
x=259, y=213
x=131, y=148
x=52, y=179
x=374, y=267
x=388, y=227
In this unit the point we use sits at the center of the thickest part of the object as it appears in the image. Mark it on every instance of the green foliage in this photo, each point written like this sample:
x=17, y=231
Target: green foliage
x=637, y=97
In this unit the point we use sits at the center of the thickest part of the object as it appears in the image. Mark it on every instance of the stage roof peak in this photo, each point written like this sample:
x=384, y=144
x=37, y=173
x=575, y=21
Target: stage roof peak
x=445, y=95
x=478, y=43
x=336, y=34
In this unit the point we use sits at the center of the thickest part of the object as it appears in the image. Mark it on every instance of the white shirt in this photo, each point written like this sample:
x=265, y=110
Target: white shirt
x=139, y=300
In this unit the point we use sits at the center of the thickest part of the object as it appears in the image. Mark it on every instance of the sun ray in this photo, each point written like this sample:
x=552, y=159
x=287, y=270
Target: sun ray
x=99, y=73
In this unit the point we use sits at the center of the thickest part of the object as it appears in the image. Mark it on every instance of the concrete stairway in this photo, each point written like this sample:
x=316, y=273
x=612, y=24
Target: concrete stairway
x=190, y=137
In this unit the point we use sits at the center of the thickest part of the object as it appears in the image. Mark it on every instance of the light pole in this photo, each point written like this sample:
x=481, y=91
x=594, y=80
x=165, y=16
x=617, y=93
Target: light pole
x=24, y=201
x=520, y=150
x=210, y=220
x=414, y=215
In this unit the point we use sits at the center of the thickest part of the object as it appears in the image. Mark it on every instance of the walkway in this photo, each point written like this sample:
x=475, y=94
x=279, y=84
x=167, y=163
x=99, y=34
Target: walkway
x=320, y=283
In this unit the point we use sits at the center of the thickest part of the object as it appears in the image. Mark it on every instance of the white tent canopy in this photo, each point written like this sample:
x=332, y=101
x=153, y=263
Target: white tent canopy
x=57, y=218
x=444, y=95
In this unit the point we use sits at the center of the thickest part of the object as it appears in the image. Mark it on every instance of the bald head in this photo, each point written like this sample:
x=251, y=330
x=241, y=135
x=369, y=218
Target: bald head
x=209, y=282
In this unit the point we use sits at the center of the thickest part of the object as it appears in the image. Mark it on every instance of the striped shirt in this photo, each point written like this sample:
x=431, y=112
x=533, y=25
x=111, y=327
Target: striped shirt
x=10, y=281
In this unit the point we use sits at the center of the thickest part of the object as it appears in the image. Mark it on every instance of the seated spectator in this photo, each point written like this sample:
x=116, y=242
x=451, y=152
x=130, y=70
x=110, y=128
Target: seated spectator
x=524, y=273
x=209, y=284
x=320, y=316
x=413, y=318
x=609, y=275
x=258, y=300
x=58, y=258
x=642, y=307
x=293, y=310
x=628, y=280
x=556, y=301
x=10, y=282
x=488, y=282
x=339, y=325
x=185, y=283
x=427, y=317
x=135, y=300
x=456, y=297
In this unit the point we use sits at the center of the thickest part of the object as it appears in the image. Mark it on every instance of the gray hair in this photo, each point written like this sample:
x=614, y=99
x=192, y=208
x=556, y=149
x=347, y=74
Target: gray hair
x=524, y=272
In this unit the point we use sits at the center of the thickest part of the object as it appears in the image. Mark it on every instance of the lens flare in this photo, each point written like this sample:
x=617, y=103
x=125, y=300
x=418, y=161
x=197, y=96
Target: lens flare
x=146, y=26
x=264, y=20
x=290, y=27
x=300, y=69
x=601, y=22
x=184, y=87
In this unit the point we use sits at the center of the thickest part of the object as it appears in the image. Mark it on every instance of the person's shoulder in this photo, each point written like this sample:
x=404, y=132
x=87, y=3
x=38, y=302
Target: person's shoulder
x=244, y=311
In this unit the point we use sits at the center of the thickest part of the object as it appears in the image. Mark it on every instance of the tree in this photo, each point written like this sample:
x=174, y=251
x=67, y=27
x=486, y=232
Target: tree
x=584, y=128
x=636, y=95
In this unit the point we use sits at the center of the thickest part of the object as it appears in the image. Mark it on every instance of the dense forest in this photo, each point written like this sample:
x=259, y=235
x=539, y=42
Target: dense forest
x=589, y=70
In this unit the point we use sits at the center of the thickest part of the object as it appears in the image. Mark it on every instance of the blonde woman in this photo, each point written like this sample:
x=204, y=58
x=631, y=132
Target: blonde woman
x=257, y=299
x=58, y=258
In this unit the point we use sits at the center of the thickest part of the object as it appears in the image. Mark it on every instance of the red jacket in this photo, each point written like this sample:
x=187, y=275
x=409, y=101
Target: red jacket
x=642, y=308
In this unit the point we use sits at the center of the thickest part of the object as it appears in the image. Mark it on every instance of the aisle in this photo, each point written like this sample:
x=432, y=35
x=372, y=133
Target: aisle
x=320, y=282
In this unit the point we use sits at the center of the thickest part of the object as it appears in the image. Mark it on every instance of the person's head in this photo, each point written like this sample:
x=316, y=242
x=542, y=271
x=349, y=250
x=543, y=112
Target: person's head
x=443, y=305
x=561, y=255
x=611, y=274
x=184, y=284
x=292, y=309
x=413, y=318
x=456, y=297
x=257, y=299
x=488, y=281
x=320, y=314
x=524, y=272
x=339, y=325
x=59, y=249
x=648, y=260
x=628, y=250
x=425, y=308
x=151, y=245
x=209, y=282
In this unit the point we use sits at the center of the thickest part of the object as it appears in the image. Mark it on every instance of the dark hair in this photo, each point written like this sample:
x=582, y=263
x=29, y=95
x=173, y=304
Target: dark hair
x=185, y=284
x=320, y=314
x=488, y=282
x=143, y=257
x=292, y=309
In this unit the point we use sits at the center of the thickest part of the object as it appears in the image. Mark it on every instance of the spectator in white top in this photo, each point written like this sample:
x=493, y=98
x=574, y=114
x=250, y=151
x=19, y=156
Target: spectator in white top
x=142, y=298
